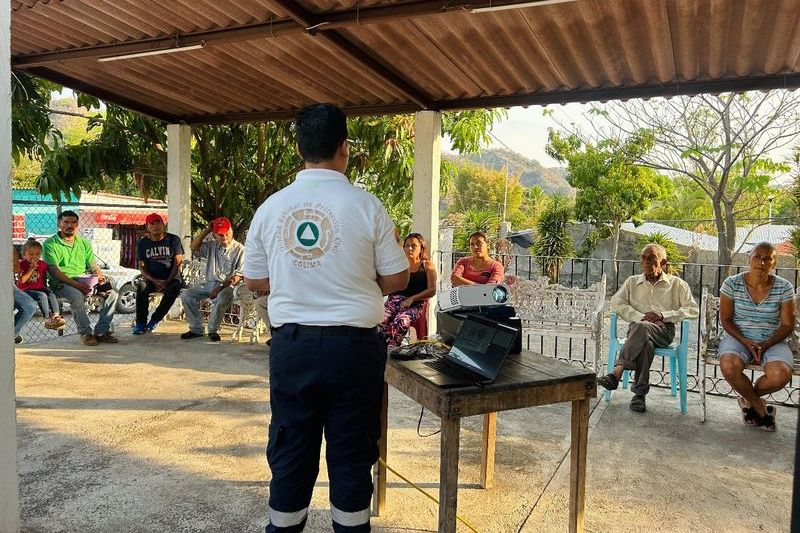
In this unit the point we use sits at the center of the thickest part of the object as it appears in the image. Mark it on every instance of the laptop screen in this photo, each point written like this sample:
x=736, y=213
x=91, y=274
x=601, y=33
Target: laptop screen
x=482, y=346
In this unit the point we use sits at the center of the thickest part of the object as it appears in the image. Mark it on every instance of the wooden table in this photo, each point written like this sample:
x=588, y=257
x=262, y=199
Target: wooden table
x=526, y=380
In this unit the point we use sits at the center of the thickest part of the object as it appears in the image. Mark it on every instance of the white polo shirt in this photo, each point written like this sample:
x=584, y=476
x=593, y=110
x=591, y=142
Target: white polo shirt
x=322, y=242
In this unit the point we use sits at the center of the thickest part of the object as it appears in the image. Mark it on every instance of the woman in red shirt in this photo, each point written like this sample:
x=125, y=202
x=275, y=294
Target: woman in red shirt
x=33, y=279
x=478, y=268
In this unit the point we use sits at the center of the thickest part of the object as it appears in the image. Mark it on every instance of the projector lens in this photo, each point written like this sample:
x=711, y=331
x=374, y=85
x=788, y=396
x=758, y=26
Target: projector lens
x=500, y=294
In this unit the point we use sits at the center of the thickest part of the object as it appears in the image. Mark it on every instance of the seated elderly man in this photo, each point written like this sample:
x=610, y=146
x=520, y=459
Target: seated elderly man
x=224, y=257
x=652, y=302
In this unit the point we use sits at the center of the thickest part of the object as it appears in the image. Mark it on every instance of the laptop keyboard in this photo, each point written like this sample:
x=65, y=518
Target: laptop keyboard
x=449, y=368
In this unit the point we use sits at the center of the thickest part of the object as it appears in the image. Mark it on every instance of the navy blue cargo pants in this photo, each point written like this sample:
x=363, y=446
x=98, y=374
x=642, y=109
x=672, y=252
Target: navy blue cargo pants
x=324, y=380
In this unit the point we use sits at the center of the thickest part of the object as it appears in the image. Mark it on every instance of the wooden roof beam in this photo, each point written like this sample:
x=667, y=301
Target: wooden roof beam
x=313, y=25
x=263, y=30
x=760, y=83
x=97, y=92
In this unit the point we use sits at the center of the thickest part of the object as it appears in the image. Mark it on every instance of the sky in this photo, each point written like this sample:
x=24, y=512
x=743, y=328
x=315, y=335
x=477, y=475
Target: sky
x=525, y=130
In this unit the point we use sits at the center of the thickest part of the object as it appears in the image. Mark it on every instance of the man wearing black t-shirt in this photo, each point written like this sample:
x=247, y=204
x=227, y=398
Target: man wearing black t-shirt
x=159, y=255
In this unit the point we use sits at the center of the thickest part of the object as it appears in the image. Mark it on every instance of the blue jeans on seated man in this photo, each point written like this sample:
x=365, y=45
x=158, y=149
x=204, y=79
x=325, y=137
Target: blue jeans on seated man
x=191, y=299
x=77, y=307
x=25, y=307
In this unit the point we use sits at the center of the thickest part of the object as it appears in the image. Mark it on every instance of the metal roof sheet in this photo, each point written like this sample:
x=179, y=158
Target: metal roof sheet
x=680, y=236
x=267, y=58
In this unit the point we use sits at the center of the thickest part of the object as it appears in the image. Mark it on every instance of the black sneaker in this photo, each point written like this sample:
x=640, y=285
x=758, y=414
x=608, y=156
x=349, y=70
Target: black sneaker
x=638, y=404
x=190, y=335
x=214, y=336
x=18, y=339
x=608, y=382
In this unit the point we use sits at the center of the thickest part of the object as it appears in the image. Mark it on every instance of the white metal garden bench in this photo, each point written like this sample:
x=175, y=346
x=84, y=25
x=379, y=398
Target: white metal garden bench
x=554, y=310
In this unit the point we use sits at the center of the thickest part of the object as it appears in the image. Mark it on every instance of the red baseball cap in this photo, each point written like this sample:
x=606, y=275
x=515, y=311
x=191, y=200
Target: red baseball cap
x=153, y=217
x=221, y=225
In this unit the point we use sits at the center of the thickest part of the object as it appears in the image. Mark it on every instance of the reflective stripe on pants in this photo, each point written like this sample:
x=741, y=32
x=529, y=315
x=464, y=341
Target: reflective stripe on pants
x=359, y=518
x=287, y=520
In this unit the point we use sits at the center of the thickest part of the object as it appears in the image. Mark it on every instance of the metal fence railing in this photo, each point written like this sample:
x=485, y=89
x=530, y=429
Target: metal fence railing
x=582, y=272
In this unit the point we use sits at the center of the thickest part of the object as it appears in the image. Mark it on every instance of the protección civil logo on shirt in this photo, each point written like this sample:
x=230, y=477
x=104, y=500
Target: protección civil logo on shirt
x=309, y=233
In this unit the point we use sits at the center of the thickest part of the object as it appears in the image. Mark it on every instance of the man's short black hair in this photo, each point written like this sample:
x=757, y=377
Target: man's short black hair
x=67, y=213
x=320, y=130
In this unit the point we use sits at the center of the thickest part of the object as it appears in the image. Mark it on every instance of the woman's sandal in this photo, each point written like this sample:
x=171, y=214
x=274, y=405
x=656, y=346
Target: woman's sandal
x=750, y=417
x=767, y=423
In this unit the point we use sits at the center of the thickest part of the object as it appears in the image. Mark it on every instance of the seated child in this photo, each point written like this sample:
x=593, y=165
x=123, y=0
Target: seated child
x=33, y=280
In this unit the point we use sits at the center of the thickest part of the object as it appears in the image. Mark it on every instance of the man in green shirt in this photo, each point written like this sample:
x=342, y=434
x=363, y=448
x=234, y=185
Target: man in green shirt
x=68, y=255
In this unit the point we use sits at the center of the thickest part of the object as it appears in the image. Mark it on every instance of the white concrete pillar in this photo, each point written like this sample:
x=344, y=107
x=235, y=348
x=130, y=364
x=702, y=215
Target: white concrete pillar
x=179, y=183
x=9, y=473
x=427, y=176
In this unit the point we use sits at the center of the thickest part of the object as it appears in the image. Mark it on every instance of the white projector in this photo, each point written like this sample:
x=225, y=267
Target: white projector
x=473, y=296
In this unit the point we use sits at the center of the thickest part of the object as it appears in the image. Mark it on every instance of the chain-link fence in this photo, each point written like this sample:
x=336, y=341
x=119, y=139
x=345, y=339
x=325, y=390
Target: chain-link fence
x=582, y=272
x=113, y=229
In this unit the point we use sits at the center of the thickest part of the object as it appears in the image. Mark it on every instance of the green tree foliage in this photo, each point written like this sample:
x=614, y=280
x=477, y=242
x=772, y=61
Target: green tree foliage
x=477, y=188
x=31, y=127
x=689, y=207
x=675, y=257
x=534, y=202
x=126, y=147
x=471, y=221
x=553, y=241
x=235, y=167
x=794, y=240
x=721, y=142
x=611, y=187
x=25, y=174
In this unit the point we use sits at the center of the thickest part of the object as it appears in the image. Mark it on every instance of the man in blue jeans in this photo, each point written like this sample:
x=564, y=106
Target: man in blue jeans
x=68, y=255
x=24, y=306
x=223, y=256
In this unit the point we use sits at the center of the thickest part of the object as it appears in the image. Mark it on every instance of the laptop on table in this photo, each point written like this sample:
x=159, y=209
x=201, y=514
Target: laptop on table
x=476, y=357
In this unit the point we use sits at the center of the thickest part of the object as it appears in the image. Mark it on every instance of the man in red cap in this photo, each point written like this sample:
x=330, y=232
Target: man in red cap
x=159, y=255
x=223, y=256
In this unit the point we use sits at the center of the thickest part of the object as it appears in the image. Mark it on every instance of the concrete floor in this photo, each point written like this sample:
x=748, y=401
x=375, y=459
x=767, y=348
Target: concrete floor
x=157, y=434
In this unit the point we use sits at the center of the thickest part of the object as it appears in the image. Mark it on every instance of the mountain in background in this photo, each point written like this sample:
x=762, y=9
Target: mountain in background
x=531, y=172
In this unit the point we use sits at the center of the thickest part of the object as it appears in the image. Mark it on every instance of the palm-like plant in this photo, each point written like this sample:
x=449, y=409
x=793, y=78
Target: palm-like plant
x=675, y=257
x=484, y=221
x=553, y=241
x=794, y=240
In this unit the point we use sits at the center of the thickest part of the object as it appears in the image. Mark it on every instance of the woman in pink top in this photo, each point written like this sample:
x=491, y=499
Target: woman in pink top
x=478, y=268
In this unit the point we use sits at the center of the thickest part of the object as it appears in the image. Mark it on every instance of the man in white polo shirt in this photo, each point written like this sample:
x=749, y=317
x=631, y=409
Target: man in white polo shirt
x=326, y=253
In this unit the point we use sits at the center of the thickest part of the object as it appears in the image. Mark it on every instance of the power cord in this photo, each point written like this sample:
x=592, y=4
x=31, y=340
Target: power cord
x=419, y=423
x=396, y=473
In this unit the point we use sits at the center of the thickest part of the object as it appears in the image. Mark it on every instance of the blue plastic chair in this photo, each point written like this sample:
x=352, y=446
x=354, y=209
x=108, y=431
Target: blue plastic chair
x=677, y=353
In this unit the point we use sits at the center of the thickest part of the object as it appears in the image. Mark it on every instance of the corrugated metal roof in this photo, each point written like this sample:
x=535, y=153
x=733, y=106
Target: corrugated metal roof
x=267, y=58
x=771, y=233
x=680, y=236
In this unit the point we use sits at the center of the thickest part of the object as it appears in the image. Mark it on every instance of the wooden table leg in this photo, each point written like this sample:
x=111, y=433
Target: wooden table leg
x=379, y=491
x=448, y=475
x=487, y=457
x=577, y=472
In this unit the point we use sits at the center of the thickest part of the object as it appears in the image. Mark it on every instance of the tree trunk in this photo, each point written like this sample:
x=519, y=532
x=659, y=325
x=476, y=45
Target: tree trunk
x=614, y=252
x=726, y=236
